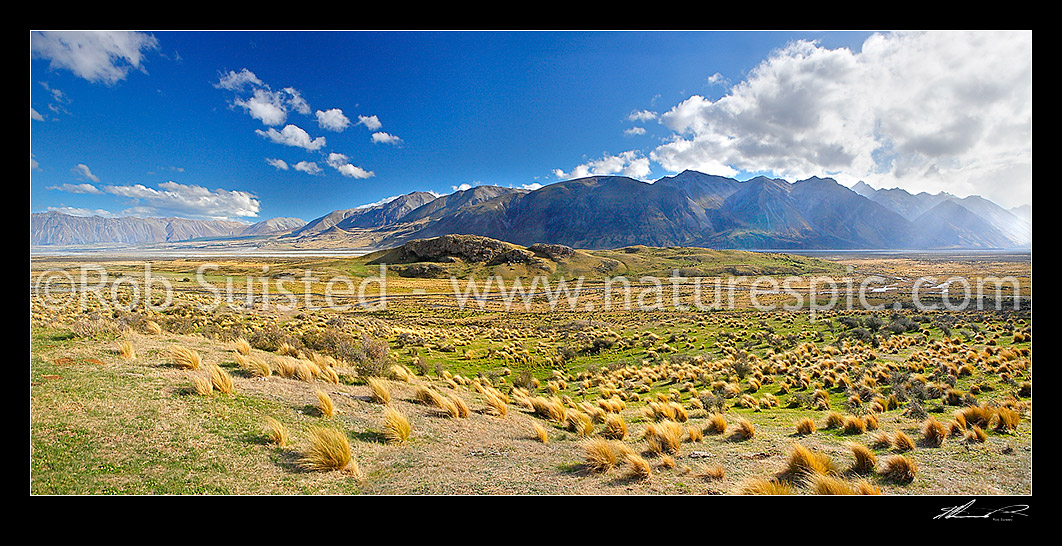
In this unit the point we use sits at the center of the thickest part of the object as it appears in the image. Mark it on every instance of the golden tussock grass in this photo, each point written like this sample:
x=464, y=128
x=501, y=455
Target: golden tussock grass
x=664, y=437
x=378, y=390
x=865, y=460
x=202, y=386
x=540, y=432
x=396, y=426
x=325, y=404
x=241, y=346
x=764, y=486
x=804, y=463
x=975, y=434
x=126, y=350
x=716, y=424
x=461, y=408
x=714, y=472
x=400, y=373
x=743, y=429
x=551, y=410
x=694, y=434
x=882, y=440
x=186, y=358
x=495, y=404
x=834, y=420
x=854, y=424
x=900, y=468
x=278, y=433
x=221, y=380
x=1005, y=419
x=805, y=426
x=329, y=450
x=615, y=427
x=602, y=455
x=902, y=441
x=639, y=468
x=933, y=432
x=152, y=327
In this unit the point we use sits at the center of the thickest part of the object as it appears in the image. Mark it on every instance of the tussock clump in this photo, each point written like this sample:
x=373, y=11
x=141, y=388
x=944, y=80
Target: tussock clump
x=378, y=390
x=804, y=463
x=495, y=404
x=854, y=424
x=615, y=427
x=202, y=386
x=834, y=420
x=639, y=467
x=540, y=432
x=253, y=366
x=152, y=327
x=865, y=460
x=329, y=450
x=126, y=350
x=551, y=410
x=694, y=434
x=1005, y=419
x=716, y=424
x=664, y=437
x=460, y=406
x=902, y=441
x=325, y=404
x=221, y=380
x=822, y=484
x=241, y=346
x=278, y=433
x=396, y=426
x=714, y=472
x=805, y=426
x=743, y=429
x=933, y=432
x=975, y=434
x=882, y=440
x=764, y=486
x=186, y=358
x=603, y=455
x=900, y=468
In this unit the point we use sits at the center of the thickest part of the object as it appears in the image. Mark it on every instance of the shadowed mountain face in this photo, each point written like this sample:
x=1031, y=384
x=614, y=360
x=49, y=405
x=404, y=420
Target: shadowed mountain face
x=601, y=212
x=696, y=209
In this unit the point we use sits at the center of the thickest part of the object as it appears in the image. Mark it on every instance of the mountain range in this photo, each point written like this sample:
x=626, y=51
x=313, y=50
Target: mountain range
x=688, y=209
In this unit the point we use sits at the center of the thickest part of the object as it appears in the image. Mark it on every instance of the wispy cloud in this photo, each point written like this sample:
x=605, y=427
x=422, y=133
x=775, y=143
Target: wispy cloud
x=82, y=171
x=77, y=211
x=370, y=122
x=189, y=201
x=77, y=188
x=103, y=57
x=308, y=167
x=280, y=164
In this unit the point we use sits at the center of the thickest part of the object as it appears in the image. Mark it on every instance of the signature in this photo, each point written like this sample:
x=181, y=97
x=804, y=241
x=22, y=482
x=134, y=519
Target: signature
x=1000, y=513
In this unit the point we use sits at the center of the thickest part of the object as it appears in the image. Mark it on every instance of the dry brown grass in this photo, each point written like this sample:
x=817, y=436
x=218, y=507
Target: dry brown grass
x=664, y=437
x=1005, y=419
x=615, y=427
x=202, y=386
x=743, y=429
x=640, y=469
x=804, y=463
x=540, y=432
x=716, y=424
x=241, y=346
x=805, y=426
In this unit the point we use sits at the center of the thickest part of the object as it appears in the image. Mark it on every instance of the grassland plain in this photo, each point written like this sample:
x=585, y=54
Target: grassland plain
x=597, y=398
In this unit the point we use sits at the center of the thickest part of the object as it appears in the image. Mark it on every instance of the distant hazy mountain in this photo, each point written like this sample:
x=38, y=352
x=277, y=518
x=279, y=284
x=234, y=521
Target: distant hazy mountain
x=688, y=209
x=56, y=228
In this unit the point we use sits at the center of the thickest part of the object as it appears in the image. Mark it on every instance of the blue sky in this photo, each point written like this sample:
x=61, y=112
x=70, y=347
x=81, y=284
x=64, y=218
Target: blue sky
x=254, y=125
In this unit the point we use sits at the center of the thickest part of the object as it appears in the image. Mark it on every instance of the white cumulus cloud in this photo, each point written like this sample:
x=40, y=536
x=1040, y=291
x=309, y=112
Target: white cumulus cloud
x=333, y=119
x=629, y=163
x=105, y=57
x=308, y=167
x=385, y=138
x=292, y=135
x=370, y=122
x=341, y=163
x=925, y=111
